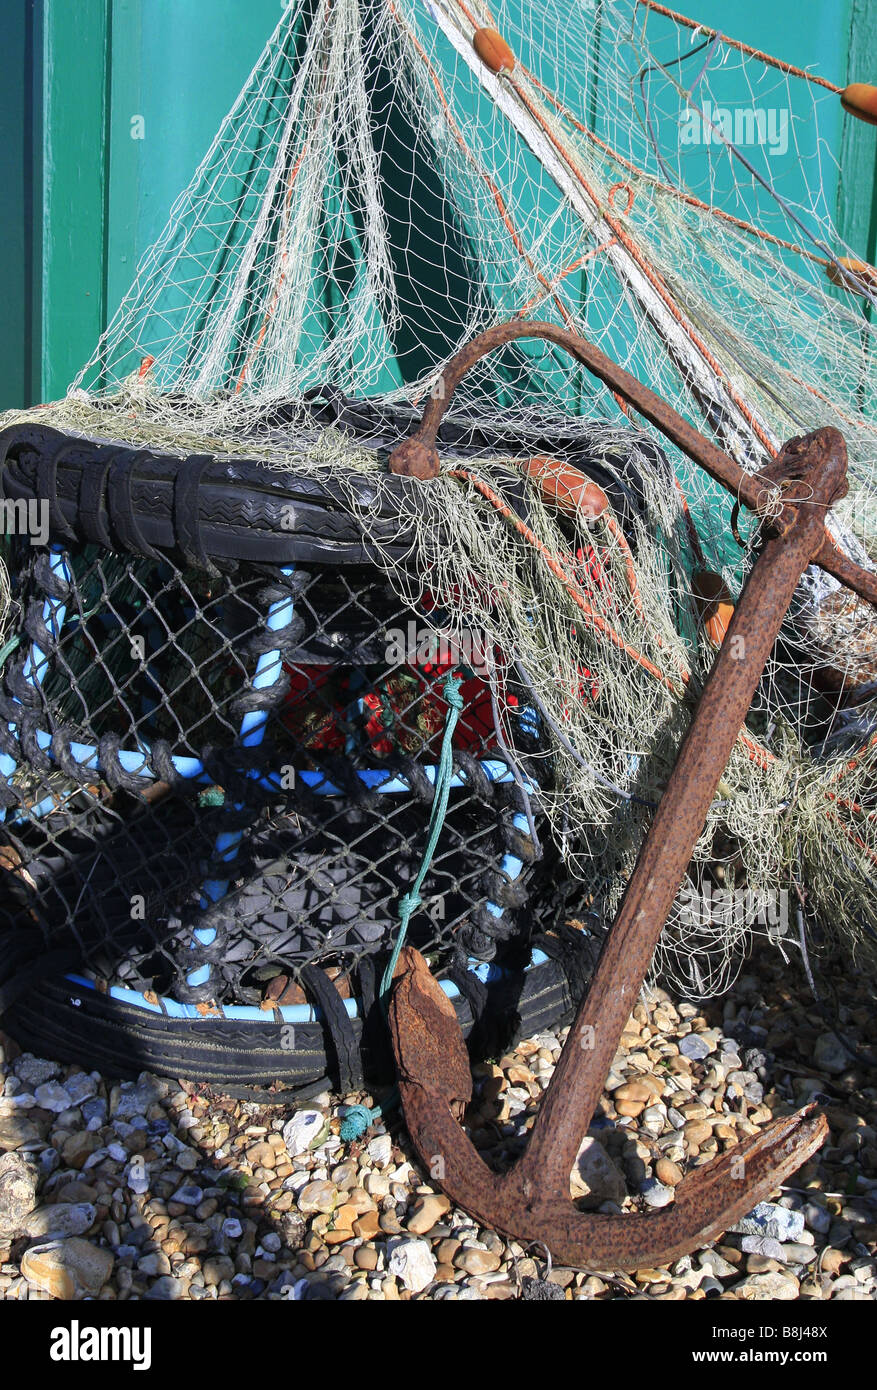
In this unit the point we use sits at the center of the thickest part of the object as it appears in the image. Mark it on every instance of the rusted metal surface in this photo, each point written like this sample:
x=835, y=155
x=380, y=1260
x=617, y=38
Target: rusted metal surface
x=435, y=1083
x=418, y=457
x=532, y=1202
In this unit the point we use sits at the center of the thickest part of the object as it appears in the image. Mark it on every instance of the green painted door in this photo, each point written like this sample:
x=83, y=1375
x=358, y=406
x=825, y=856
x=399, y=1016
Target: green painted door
x=110, y=104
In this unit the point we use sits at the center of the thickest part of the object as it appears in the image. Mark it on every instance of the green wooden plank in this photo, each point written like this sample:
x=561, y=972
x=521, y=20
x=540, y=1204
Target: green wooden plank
x=127, y=133
x=20, y=286
x=857, y=191
x=74, y=183
x=177, y=66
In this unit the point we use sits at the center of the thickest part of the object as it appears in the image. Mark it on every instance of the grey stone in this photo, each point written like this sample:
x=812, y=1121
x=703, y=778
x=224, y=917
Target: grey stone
x=717, y=1265
x=80, y=1087
x=61, y=1219
x=762, y=1245
x=33, y=1071
x=166, y=1289
x=694, y=1047
x=18, y=1192
x=796, y=1253
x=655, y=1194
x=829, y=1055
x=135, y=1098
x=52, y=1096
x=188, y=1195
x=817, y=1218
x=771, y=1220
x=595, y=1176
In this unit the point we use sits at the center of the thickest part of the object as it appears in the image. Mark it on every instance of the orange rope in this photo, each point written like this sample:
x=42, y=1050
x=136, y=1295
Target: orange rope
x=742, y=47
x=853, y=763
x=566, y=579
x=568, y=270
x=620, y=539
x=680, y=194
x=852, y=836
x=651, y=275
x=498, y=199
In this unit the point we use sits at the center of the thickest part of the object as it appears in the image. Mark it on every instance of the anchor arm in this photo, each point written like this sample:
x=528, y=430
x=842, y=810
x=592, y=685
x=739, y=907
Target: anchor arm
x=418, y=457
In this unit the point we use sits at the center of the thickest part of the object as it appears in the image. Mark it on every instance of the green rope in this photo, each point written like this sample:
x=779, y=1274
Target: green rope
x=358, y=1118
x=411, y=901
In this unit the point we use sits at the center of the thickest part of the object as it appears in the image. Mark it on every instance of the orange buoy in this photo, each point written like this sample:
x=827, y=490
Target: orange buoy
x=860, y=99
x=493, y=50
x=566, y=488
x=714, y=605
x=856, y=270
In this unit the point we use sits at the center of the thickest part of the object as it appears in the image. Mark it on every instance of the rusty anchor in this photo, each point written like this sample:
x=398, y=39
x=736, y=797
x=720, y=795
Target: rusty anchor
x=532, y=1201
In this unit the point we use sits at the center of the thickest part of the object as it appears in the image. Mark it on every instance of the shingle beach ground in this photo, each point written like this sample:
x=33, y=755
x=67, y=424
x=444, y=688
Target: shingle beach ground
x=158, y=1189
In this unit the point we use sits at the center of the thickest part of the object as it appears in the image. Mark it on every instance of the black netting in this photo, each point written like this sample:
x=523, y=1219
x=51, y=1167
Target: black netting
x=213, y=780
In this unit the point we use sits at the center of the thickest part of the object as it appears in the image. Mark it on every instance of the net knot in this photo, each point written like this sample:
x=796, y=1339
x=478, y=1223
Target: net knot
x=408, y=904
x=451, y=692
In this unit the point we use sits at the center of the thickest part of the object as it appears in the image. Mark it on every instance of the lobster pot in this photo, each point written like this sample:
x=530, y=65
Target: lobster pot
x=219, y=743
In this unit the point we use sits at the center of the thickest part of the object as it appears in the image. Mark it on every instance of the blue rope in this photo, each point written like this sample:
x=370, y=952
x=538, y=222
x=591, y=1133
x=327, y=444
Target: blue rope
x=358, y=1118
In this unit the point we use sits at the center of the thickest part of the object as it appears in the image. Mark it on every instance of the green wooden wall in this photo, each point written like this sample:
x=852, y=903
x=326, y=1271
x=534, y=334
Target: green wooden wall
x=109, y=105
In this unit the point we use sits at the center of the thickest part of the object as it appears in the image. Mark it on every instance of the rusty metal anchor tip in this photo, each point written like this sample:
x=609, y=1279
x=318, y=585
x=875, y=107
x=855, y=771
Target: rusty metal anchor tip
x=528, y=1203
x=532, y=1201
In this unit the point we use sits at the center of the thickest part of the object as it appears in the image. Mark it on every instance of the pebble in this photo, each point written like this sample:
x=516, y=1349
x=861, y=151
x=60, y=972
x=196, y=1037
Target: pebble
x=717, y=1264
x=668, y=1172
x=318, y=1196
x=380, y=1150
x=33, y=1071
x=475, y=1261
x=817, y=1218
x=188, y=1195
x=166, y=1289
x=427, y=1212
x=595, y=1176
x=80, y=1087
x=776, y=1285
x=829, y=1055
x=62, y=1219
x=17, y=1132
x=771, y=1220
x=67, y=1269
x=694, y=1047
x=303, y=1130
x=18, y=1193
x=655, y=1194
x=52, y=1096
x=766, y=1246
x=412, y=1262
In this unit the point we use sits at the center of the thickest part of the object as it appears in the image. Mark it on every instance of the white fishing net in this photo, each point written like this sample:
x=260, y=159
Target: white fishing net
x=377, y=196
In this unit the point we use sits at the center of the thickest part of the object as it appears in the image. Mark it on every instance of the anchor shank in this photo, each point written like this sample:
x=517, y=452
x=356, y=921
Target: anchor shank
x=566, y=1109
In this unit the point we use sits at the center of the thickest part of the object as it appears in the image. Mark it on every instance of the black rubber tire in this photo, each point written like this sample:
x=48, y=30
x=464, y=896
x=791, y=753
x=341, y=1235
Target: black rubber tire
x=58, y=1020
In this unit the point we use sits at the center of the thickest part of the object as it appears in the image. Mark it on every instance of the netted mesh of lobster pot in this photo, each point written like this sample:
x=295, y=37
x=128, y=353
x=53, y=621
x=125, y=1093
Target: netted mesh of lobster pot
x=231, y=700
